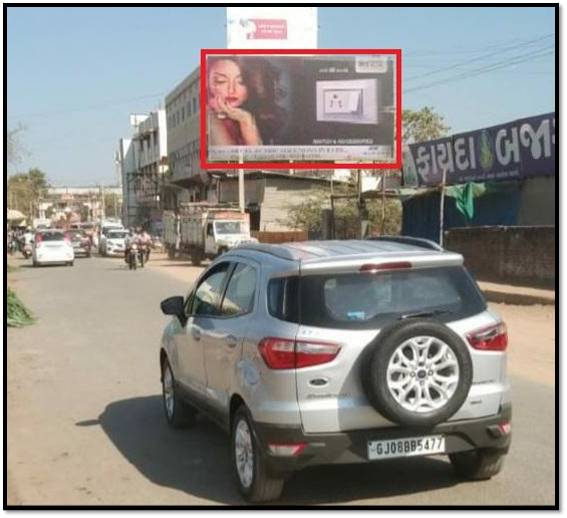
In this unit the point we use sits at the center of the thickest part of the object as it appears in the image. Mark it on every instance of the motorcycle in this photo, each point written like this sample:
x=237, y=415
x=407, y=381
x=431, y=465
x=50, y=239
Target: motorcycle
x=144, y=249
x=133, y=257
x=27, y=251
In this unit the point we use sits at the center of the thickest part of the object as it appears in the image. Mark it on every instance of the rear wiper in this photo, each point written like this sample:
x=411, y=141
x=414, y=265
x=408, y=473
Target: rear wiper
x=425, y=314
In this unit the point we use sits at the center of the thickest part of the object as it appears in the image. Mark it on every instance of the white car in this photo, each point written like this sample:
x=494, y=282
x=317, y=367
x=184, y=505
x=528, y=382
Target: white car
x=52, y=247
x=114, y=242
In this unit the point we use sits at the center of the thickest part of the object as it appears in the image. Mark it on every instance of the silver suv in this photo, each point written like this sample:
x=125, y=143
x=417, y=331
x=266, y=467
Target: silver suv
x=330, y=352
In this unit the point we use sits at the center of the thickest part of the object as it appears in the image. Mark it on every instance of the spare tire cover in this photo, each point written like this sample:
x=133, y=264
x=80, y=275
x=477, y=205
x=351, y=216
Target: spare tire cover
x=418, y=372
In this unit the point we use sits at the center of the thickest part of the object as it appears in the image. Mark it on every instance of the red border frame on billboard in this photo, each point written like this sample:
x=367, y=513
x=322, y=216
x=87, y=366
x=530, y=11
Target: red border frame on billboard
x=397, y=164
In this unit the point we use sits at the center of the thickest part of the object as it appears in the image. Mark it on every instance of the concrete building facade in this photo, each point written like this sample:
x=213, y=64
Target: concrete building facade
x=182, y=107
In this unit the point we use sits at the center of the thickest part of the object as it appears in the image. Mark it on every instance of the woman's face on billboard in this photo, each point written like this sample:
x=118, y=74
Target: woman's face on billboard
x=225, y=81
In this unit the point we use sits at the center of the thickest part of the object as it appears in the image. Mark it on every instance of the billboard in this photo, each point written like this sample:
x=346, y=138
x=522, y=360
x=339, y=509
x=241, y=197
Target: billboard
x=519, y=149
x=316, y=108
x=268, y=27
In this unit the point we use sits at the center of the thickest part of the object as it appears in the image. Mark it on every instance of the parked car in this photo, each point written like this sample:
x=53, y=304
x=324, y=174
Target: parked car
x=339, y=352
x=114, y=242
x=81, y=242
x=52, y=247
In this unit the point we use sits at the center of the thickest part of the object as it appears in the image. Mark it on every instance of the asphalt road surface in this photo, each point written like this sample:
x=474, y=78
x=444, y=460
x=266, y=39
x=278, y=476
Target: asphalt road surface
x=85, y=423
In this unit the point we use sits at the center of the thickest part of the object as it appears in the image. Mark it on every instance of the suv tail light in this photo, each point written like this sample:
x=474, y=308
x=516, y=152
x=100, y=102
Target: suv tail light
x=492, y=338
x=282, y=353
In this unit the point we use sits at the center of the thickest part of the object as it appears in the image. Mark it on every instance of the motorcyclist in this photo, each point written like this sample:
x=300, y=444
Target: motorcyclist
x=27, y=240
x=132, y=237
x=146, y=240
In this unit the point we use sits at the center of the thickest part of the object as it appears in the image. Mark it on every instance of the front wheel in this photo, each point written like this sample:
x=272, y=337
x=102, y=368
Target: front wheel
x=479, y=464
x=252, y=478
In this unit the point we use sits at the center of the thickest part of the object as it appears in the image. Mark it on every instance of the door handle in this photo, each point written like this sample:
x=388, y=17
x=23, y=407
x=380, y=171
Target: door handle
x=231, y=341
x=196, y=333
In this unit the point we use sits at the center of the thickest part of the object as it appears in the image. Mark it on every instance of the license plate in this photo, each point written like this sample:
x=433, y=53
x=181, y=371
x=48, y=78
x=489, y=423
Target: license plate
x=406, y=447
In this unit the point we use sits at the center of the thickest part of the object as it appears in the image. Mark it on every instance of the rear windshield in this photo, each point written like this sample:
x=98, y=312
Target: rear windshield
x=52, y=236
x=367, y=301
x=117, y=235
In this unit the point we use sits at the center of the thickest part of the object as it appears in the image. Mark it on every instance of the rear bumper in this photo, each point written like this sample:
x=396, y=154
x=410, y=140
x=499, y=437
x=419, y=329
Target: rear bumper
x=351, y=447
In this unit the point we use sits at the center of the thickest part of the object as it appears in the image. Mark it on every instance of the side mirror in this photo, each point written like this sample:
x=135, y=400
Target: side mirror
x=174, y=306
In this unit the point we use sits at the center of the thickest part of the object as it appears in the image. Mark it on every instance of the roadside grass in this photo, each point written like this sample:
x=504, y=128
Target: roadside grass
x=17, y=313
x=12, y=269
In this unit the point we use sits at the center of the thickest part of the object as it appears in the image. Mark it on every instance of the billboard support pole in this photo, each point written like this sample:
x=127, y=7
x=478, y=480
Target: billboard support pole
x=383, y=225
x=241, y=202
x=442, y=206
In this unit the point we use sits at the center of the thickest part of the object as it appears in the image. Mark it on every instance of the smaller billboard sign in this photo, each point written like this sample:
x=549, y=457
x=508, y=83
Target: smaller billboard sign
x=519, y=149
x=322, y=109
x=260, y=27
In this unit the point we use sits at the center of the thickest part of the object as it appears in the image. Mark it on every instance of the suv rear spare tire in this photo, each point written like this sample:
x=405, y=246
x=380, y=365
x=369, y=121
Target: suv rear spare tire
x=418, y=373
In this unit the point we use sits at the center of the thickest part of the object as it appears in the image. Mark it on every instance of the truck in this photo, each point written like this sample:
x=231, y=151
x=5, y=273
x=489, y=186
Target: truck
x=202, y=230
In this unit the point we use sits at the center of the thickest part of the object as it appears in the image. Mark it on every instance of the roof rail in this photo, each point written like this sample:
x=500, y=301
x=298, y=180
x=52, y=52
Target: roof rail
x=408, y=240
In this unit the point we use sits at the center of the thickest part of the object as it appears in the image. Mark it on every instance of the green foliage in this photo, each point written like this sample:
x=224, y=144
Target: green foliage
x=422, y=125
x=112, y=207
x=307, y=214
x=25, y=190
x=18, y=315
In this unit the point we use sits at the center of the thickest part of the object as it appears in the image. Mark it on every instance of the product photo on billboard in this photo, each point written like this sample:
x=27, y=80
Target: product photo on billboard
x=323, y=109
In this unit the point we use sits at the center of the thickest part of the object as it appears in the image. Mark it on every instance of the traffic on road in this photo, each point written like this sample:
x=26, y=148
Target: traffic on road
x=122, y=385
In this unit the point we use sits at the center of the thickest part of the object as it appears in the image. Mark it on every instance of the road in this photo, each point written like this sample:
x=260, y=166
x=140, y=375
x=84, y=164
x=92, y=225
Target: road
x=85, y=423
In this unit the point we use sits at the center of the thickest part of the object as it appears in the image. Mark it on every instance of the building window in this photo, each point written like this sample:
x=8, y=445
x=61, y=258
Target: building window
x=194, y=105
x=189, y=109
x=183, y=113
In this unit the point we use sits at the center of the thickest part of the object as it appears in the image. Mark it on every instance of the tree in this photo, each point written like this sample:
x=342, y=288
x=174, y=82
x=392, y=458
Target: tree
x=112, y=205
x=307, y=214
x=422, y=125
x=417, y=126
x=25, y=190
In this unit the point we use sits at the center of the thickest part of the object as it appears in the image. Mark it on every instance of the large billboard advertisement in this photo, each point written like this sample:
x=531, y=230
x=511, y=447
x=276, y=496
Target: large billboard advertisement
x=316, y=109
x=519, y=149
x=271, y=27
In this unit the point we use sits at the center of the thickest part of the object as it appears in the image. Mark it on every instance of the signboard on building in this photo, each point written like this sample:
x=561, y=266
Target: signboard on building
x=520, y=149
x=320, y=109
x=258, y=27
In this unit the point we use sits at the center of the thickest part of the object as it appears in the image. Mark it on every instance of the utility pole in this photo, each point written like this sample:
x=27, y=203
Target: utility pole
x=442, y=207
x=241, y=199
x=102, y=206
x=383, y=202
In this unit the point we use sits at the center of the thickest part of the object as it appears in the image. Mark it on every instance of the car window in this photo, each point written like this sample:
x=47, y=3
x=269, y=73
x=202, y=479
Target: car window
x=53, y=236
x=362, y=301
x=206, y=300
x=239, y=297
x=117, y=235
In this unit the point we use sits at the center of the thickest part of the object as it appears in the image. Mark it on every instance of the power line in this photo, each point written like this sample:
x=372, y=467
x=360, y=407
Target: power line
x=478, y=58
x=409, y=55
x=92, y=107
x=514, y=60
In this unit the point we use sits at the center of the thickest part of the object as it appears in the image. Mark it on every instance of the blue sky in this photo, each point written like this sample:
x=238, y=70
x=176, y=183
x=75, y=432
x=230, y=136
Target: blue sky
x=75, y=74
